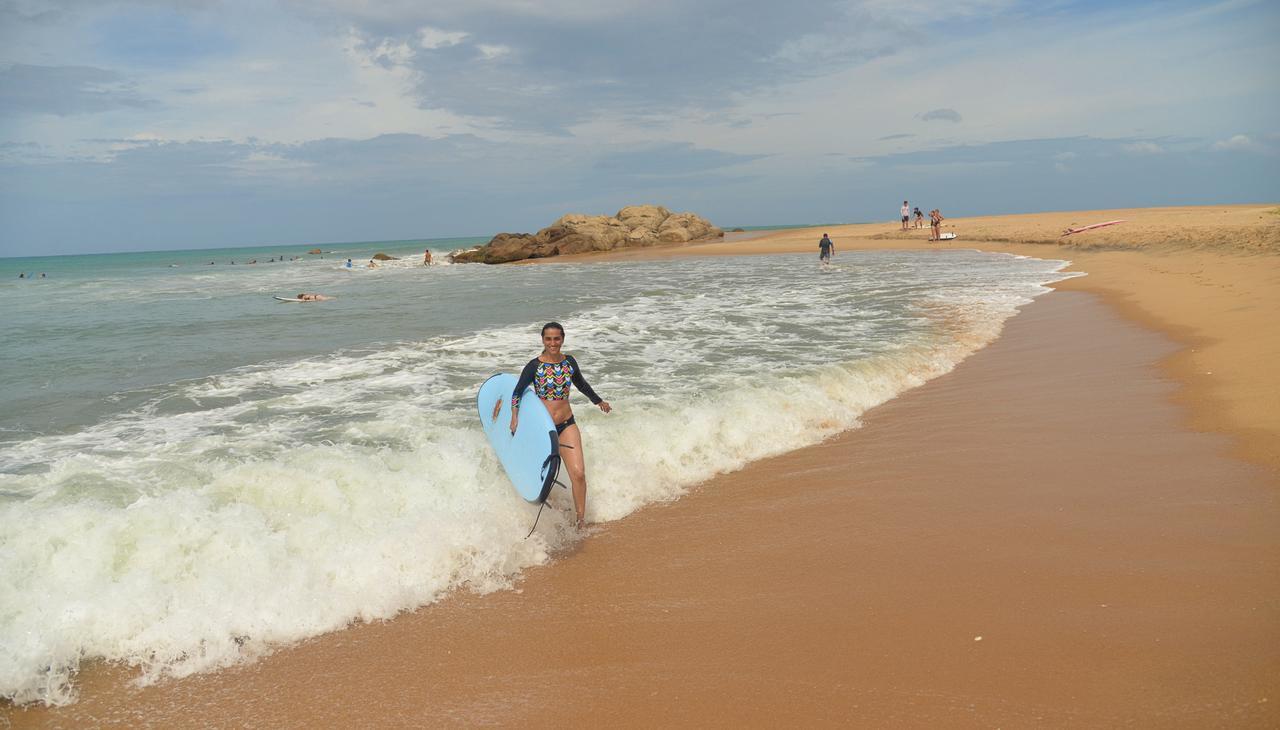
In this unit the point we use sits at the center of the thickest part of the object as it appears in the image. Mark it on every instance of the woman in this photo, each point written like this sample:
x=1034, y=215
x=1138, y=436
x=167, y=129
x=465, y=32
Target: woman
x=550, y=374
x=935, y=225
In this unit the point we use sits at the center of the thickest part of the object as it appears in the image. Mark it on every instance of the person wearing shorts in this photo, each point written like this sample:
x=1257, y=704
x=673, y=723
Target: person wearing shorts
x=825, y=248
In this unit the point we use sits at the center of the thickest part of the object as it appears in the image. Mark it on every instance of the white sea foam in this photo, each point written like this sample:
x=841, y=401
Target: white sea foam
x=229, y=514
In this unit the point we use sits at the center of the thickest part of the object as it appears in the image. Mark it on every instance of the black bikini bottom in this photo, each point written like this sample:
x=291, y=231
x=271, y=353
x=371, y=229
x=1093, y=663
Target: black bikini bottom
x=560, y=427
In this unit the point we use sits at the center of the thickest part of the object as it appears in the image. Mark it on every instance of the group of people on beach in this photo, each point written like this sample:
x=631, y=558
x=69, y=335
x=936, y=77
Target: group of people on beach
x=935, y=220
x=826, y=247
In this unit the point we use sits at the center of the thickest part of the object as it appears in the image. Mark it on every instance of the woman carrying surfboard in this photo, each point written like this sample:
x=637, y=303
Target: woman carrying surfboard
x=550, y=375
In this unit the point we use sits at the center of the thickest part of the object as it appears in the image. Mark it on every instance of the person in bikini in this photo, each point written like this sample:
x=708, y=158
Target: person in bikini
x=550, y=375
x=935, y=225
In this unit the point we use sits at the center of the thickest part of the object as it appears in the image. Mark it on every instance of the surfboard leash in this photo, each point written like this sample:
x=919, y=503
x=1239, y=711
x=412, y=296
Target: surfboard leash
x=542, y=504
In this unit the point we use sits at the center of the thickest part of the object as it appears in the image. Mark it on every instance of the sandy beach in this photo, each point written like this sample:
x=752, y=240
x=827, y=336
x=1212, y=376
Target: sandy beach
x=1206, y=276
x=1075, y=527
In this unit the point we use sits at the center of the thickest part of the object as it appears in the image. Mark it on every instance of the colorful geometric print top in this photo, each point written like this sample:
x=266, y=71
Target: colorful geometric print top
x=551, y=380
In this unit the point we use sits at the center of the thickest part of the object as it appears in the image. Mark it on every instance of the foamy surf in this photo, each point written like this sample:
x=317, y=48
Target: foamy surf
x=209, y=519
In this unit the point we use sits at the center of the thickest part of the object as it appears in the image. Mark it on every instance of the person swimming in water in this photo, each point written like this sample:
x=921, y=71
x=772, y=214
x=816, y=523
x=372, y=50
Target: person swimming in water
x=550, y=374
x=312, y=297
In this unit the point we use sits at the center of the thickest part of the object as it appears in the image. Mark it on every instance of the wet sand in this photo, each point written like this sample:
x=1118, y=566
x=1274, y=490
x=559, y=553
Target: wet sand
x=1033, y=539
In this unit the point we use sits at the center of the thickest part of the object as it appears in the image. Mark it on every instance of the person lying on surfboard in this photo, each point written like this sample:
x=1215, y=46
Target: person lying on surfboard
x=550, y=374
x=308, y=297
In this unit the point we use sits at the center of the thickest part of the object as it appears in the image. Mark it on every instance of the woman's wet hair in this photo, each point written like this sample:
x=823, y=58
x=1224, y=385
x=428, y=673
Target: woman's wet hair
x=552, y=326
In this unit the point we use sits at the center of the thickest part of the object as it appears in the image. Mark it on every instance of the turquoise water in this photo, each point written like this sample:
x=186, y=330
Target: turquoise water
x=192, y=472
x=148, y=263
x=100, y=328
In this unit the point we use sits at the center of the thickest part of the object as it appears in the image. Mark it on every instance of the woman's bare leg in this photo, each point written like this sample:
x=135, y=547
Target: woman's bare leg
x=576, y=464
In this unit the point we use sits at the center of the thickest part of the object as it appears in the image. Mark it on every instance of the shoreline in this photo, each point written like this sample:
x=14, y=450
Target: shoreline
x=1174, y=270
x=1031, y=538
x=1209, y=599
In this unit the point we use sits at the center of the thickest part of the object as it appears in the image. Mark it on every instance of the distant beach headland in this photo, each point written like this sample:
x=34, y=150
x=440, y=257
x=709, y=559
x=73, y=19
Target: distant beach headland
x=633, y=226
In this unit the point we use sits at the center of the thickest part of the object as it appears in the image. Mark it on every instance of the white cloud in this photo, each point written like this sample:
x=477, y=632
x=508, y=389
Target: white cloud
x=393, y=54
x=432, y=38
x=491, y=52
x=264, y=164
x=1236, y=142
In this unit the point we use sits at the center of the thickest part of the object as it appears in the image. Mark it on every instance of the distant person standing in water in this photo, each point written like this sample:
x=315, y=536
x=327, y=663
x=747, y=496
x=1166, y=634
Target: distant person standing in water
x=906, y=214
x=426, y=257
x=348, y=263
x=826, y=247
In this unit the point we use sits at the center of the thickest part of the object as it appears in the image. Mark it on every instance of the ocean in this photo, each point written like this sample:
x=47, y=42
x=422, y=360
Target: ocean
x=193, y=473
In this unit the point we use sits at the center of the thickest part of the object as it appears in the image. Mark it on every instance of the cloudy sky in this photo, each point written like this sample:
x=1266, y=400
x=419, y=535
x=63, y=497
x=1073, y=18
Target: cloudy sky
x=156, y=125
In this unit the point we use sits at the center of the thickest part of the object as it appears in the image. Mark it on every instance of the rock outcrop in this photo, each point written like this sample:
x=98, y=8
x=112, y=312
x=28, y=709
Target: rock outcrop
x=633, y=226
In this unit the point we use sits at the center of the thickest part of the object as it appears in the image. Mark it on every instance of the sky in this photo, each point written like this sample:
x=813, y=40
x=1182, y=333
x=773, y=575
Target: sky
x=207, y=123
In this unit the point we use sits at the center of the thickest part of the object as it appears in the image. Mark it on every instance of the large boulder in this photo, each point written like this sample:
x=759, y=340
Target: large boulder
x=634, y=225
x=505, y=247
x=685, y=227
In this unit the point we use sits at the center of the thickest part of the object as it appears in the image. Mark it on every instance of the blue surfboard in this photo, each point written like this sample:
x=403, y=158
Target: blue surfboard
x=531, y=457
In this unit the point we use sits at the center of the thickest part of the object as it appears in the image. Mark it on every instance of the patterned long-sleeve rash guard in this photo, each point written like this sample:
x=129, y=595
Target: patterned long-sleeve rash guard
x=551, y=380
